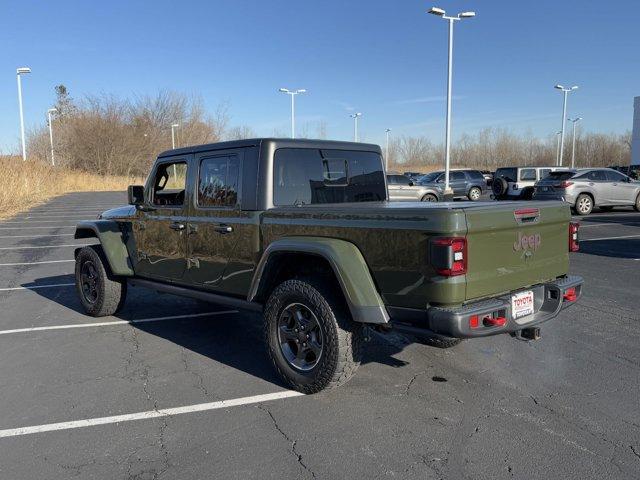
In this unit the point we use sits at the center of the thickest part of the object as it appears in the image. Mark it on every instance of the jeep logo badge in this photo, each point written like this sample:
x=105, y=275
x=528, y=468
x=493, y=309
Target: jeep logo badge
x=527, y=242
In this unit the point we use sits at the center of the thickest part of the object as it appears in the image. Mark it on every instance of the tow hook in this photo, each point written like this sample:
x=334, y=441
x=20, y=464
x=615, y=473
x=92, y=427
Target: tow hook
x=528, y=334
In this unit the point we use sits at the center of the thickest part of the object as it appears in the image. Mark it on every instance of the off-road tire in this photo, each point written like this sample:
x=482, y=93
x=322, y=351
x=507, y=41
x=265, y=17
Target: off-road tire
x=636, y=206
x=474, y=194
x=440, y=341
x=429, y=197
x=500, y=187
x=342, y=338
x=584, y=204
x=111, y=291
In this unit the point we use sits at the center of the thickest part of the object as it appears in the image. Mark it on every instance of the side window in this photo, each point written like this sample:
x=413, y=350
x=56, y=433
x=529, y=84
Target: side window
x=391, y=180
x=544, y=173
x=169, y=184
x=597, y=175
x=402, y=180
x=528, y=174
x=218, y=182
x=457, y=176
x=615, y=176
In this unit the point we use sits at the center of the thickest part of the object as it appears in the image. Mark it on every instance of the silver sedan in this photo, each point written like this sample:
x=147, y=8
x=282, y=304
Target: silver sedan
x=402, y=189
x=587, y=188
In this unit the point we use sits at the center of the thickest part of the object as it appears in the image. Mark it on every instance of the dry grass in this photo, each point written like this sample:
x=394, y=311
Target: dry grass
x=25, y=184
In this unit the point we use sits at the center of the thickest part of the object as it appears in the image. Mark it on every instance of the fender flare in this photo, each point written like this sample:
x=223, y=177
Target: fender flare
x=348, y=265
x=112, y=241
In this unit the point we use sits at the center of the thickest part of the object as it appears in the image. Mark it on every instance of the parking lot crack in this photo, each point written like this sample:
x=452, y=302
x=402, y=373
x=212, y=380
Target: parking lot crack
x=293, y=442
x=635, y=451
x=188, y=368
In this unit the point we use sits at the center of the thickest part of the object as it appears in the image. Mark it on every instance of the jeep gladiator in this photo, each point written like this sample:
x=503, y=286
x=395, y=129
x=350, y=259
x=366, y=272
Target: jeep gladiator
x=302, y=231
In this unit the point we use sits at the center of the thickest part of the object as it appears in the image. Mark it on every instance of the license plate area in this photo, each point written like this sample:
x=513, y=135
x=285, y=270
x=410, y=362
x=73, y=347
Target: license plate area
x=522, y=304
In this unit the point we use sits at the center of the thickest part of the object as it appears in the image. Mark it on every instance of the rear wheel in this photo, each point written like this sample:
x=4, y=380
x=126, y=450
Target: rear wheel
x=429, y=197
x=499, y=187
x=636, y=207
x=474, y=194
x=311, y=339
x=584, y=204
x=100, y=293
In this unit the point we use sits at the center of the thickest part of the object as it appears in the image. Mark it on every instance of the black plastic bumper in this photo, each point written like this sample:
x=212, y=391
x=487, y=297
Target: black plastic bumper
x=549, y=299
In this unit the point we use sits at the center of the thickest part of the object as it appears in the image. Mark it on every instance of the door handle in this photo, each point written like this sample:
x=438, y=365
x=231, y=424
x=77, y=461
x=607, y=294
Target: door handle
x=177, y=226
x=223, y=229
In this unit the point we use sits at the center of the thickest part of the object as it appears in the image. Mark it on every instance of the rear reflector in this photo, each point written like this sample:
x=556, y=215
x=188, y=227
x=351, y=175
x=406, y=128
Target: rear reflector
x=574, y=244
x=449, y=255
x=525, y=215
x=473, y=321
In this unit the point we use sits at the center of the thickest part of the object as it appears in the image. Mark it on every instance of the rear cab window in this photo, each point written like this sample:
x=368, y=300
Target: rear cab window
x=509, y=174
x=304, y=176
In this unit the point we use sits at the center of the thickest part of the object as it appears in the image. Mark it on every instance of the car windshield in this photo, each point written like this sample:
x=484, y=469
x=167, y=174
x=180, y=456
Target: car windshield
x=429, y=177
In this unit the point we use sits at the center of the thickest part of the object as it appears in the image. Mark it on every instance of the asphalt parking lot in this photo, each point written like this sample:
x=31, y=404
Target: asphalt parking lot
x=178, y=389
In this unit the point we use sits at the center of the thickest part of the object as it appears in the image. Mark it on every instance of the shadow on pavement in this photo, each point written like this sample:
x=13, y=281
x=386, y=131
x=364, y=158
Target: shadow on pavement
x=235, y=340
x=620, y=248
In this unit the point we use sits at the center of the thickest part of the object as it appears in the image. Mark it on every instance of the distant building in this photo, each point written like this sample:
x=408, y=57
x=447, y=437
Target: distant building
x=635, y=139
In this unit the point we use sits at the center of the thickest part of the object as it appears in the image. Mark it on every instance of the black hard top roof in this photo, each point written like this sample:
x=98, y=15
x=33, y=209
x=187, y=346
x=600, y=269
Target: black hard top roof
x=277, y=143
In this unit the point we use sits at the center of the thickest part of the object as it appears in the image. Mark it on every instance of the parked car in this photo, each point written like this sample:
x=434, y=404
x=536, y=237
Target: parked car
x=401, y=189
x=631, y=171
x=587, y=188
x=300, y=231
x=464, y=183
x=517, y=183
x=488, y=176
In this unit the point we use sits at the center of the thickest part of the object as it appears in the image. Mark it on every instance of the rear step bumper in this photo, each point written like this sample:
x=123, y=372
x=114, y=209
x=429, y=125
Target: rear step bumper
x=493, y=316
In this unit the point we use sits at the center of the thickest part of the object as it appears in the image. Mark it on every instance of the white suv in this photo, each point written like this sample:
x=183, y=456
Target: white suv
x=518, y=182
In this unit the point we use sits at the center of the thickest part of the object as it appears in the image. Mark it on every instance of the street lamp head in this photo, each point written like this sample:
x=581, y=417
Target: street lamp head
x=175, y=125
x=23, y=70
x=52, y=110
x=284, y=90
x=437, y=11
x=356, y=115
x=301, y=90
x=388, y=130
x=467, y=14
x=559, y=87
x=575, y=87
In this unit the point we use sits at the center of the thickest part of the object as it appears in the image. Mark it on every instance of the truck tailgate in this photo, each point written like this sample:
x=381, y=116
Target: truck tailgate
x=512, y=245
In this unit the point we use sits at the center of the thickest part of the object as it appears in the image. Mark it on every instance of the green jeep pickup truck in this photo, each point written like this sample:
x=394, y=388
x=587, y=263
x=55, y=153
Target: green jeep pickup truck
x=301, y=230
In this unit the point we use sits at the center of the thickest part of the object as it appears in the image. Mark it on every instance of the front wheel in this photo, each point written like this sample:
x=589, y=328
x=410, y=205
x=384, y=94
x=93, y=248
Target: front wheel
x=311, y=339
x=474, y=194
x=100, y=293
x=429, y=197
x=584, y=204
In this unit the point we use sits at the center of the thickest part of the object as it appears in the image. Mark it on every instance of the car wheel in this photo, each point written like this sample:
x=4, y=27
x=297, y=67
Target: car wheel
x=429, y=197
x=499, y=187
x=636, y=206
x=584, y=204
x=100, y=293
x=474, y=194
x=311, y=339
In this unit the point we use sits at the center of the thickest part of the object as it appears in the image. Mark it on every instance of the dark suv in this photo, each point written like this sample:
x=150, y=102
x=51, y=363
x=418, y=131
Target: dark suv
x=465, y=183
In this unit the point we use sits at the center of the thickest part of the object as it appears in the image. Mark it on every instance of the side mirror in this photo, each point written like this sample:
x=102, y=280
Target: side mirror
x=135, y=195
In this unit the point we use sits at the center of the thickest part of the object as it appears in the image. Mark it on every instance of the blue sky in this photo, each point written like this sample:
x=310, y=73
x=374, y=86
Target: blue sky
x=386, y=59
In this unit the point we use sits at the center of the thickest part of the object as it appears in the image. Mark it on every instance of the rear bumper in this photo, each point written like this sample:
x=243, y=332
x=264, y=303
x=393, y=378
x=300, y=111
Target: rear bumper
x=549, y=299
x=564, y=197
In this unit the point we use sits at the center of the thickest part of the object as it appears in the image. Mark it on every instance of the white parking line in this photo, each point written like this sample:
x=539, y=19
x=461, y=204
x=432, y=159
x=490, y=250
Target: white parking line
x=32, y=228
x=35, y=287
x=34, y=263
x=45, y=246
x=114, y=322
x=608, y=238
x=39, y=236
x=159, y=413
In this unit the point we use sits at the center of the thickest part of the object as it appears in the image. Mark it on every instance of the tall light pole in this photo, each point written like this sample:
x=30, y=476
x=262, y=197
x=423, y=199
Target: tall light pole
x=355, y=117
x=173, y=134
x=565, y=92
x=447, y=159
x=558, y=133
x=573, y=140
x=22, y=71
x=293, y=94
x=49, y=112
x=386, y=151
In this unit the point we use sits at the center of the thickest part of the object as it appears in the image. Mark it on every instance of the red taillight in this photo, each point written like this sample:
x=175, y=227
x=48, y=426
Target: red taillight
x=573, y=237
x=565, y=184
x=449, y=255
x=473, y=321
x=570, y=295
